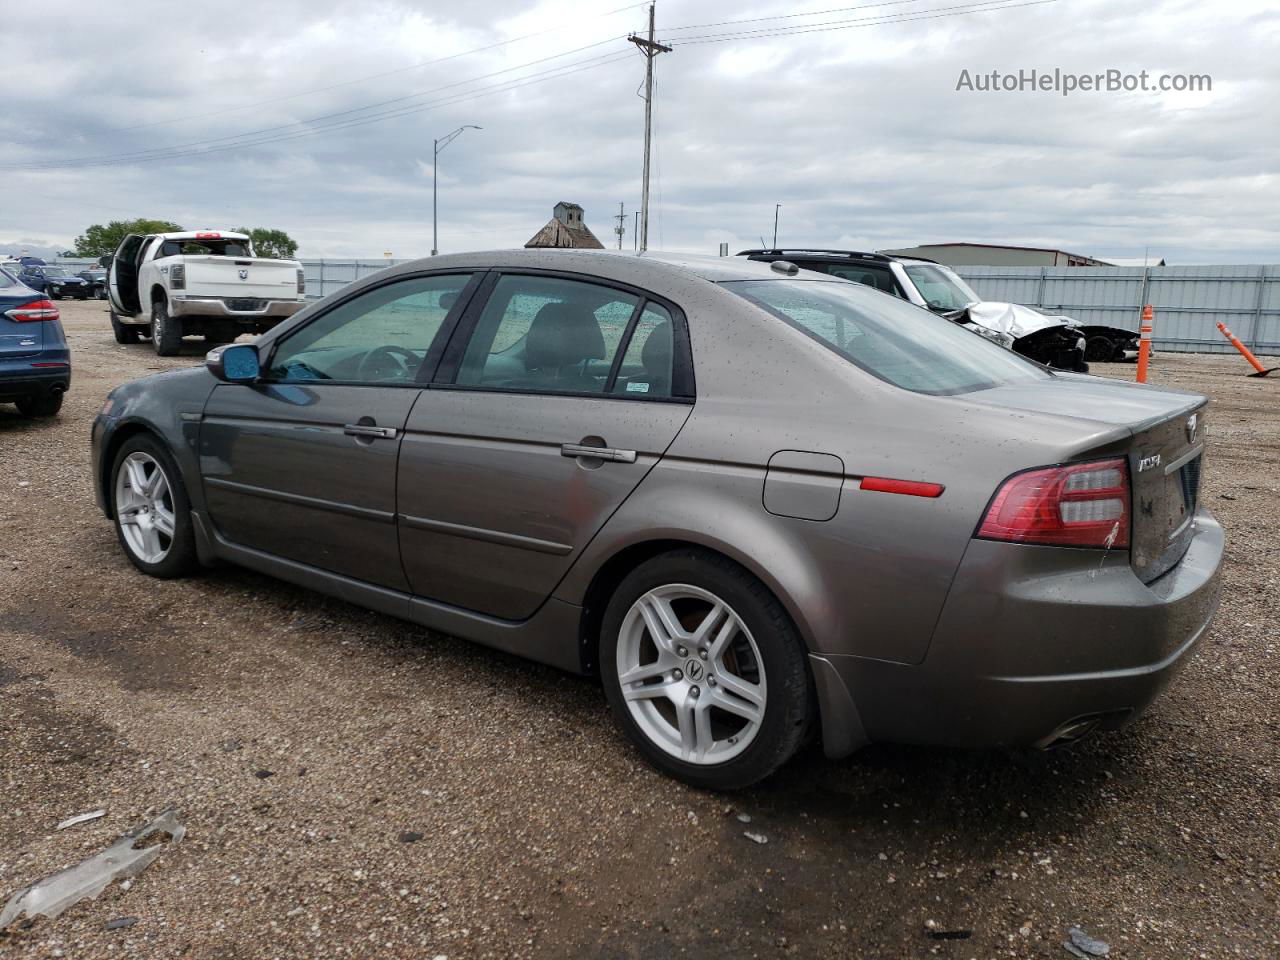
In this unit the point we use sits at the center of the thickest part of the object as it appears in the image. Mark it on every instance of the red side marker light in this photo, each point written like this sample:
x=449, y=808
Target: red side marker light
x=911, y=488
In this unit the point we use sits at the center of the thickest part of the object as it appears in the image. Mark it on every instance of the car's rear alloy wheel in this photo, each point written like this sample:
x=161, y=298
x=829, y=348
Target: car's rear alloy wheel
x=690, y=674
x=152, y=513
x=704, y=670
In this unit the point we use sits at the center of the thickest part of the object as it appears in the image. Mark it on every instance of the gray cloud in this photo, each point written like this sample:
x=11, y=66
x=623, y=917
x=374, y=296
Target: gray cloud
x=859, y=133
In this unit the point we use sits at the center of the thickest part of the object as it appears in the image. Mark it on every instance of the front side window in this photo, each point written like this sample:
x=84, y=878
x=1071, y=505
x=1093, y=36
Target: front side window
x=547, y=334
x=381, y=336
x=941, y=288
x=895, y=341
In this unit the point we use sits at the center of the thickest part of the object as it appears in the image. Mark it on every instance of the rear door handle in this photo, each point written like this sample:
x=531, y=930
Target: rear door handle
x=599, y=453
x=364, y=430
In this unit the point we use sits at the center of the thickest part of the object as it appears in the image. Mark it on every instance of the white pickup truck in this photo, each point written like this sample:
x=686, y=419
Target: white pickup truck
x=200, y=283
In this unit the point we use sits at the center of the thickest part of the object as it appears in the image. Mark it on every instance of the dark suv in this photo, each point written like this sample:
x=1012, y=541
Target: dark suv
x=35, y=363
x=1056, y=341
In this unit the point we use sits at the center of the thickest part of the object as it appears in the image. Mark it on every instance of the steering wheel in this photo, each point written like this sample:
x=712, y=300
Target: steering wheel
x=388, y=363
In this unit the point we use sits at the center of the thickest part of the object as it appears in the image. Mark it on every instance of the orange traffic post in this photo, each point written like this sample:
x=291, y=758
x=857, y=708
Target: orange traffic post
x=1144, y=343
x=1248, y=354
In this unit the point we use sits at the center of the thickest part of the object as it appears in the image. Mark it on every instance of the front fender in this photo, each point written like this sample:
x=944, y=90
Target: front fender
x=168, y=405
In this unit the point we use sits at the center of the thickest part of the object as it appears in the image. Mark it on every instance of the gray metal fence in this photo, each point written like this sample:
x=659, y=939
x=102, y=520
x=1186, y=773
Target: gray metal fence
x=1188, y=301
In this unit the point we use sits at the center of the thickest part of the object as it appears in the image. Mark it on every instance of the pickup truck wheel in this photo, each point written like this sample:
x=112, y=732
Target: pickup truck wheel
x=100, y=293
x=125, y=332
x=166, y=331
x=151, y=509
x=54, y=294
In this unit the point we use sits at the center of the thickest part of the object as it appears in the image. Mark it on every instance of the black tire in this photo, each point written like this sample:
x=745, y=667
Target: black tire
x=45, y=406
x=53, y=295
x=181, y=558
x=789, y=705
x=100, y=293
x=166, y=331
x=1099, y=349
x=125, y=332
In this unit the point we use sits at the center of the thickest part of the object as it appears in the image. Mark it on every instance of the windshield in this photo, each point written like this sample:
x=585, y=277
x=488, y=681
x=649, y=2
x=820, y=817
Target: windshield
x=940, y=287
x=900, y=343
x=54, y=272
x=5, y=279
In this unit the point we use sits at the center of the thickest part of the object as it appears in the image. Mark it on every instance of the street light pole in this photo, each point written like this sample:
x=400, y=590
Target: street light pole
x=776, y=208
x=436, y=147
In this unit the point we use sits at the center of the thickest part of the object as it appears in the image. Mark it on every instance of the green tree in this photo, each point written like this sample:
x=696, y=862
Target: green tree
x=98, y=239
x=271, y=243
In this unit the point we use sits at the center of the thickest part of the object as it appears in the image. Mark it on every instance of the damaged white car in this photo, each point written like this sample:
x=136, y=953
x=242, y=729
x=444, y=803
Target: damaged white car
x=1051, y=339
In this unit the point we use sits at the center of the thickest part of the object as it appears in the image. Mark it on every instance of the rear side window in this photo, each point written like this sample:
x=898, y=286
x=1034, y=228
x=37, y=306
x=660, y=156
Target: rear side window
x=898, y=342
x=548, y=335
x=647, y=365
x=882, y=280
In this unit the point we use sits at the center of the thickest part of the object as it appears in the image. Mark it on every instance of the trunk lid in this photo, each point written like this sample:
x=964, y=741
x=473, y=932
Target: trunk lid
x=1166, y=430
x=240, y=277
x=18, y=339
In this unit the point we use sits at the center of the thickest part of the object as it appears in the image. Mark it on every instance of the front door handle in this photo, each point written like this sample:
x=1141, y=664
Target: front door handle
x=598, y=453
x=367, y=430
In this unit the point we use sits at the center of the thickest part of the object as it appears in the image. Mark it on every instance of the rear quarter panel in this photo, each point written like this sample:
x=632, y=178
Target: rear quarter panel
x=872, y=580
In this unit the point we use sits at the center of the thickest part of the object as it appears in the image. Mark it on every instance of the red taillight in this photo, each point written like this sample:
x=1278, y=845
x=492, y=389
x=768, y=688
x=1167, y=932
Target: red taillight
x=1078, y=505
x=208, y=235
x=912, y=488
x=33, y=312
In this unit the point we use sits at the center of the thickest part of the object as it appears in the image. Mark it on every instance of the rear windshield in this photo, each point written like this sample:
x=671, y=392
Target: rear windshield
x=896, y=341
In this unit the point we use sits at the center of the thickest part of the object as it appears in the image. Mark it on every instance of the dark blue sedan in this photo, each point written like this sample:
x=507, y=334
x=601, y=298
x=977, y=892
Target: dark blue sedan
x=35, y=363
x=57, y=282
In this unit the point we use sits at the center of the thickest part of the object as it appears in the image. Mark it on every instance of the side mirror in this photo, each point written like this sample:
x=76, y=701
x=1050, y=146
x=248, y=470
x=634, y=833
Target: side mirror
x=234, y=363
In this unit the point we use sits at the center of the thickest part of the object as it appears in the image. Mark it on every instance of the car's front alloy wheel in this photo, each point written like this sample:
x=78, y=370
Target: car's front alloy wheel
x=704, y=670
x=152, y=513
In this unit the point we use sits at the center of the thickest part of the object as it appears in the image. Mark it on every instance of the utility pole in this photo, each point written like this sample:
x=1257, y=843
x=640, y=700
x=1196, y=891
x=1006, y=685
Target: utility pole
x=776, y=208
x=621, y=228
x=635, y=234
x=650, y=48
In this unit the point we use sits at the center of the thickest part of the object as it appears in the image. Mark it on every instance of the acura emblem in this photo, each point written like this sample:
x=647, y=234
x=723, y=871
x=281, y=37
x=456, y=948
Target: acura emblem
x=1193, y=424
x=694, y=669
x=244, y=274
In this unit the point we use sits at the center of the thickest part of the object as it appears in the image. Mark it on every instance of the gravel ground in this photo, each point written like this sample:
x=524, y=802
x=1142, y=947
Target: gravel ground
x=356, y=786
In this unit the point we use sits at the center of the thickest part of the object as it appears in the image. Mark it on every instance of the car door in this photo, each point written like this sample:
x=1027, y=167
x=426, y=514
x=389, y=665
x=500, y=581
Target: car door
x=555, y=397
x=122, y=275
x=302, y=463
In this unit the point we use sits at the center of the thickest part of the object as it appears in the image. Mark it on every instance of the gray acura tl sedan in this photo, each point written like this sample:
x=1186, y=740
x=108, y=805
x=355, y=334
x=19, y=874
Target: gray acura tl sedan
x=758, y=502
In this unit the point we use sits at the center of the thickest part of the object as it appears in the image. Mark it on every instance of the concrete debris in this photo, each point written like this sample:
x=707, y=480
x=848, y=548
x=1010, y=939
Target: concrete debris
x=54, y=894
x=1084, y=945
x=121, y=923
x=755, y=837
x=744, y=818
x=81, y=818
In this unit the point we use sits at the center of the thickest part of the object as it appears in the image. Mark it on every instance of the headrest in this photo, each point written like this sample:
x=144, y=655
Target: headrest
x=562, y=334
x=656, y=352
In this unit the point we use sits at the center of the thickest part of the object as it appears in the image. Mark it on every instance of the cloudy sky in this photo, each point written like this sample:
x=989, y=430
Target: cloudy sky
x=317, y=117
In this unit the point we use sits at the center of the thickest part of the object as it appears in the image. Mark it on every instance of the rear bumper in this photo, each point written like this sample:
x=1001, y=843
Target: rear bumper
x=17, y=386
x=222, y=309
x=1028, y=646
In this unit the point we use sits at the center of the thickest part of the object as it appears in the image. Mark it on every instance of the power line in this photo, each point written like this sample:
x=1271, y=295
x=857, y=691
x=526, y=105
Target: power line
x=173, y=149
x=372, y=76
x=791, y=16
x=561, y=71
x=985, y=6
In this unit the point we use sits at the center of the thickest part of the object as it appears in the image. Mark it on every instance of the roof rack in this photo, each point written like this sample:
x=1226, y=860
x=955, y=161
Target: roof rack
x=812, y=251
